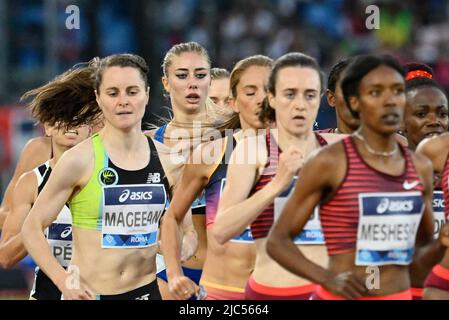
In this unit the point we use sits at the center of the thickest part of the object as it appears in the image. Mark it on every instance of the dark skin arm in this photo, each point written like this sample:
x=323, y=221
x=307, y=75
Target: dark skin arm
x=427, y=251
x=318, y=179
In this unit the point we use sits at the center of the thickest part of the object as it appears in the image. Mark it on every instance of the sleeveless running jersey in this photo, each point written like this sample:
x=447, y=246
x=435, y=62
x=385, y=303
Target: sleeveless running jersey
x=125, y=205
x=261, y=226
x=215, y=188
x=372, y=213
x=59, y=238
x=199, y=205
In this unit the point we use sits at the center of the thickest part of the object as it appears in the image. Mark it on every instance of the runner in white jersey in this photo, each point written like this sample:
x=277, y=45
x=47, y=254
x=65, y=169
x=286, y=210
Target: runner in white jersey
x=59, y=233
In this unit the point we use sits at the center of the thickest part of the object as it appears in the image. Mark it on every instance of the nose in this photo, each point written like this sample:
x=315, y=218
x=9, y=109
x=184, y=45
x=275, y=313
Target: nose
x=432, y=120
x=260, y=97
x=123, y=100
x=392, y=99
x=299, y=103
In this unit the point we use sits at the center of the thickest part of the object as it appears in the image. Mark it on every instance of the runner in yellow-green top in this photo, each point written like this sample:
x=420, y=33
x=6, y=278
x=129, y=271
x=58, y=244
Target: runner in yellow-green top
x=116, y=185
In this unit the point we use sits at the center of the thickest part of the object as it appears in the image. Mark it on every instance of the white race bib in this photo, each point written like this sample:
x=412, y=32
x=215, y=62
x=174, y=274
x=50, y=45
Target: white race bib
x=311, y=233
x=131, y=215
x=59, y=237
x=388, y=224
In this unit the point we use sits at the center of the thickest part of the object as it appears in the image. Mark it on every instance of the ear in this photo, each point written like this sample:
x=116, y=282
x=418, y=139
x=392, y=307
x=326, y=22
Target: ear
x=97, y=98
x=166, y=84
x=270, y=97
x=233, y=105
x=354, y=103
x=330, y=98
x=148, y=95
x=48, y=130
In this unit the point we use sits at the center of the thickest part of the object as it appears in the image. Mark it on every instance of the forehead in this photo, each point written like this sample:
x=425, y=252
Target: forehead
x=426, y=95
x=382, y=76
x=298, y=77
x=121, y=77
x=189, y=60
x=254, y=75
x=221, y=84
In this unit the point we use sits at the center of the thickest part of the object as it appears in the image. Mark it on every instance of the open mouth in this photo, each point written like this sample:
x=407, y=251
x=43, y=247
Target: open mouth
x=71, y=133
x=193, y=98
x=433, y=134
x=302, y=118
x=391, y=118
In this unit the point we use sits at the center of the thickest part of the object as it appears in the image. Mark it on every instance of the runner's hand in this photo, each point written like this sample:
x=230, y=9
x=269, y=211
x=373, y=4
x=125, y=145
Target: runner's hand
x=290, y=162
x=182, y=288
x=346, y=284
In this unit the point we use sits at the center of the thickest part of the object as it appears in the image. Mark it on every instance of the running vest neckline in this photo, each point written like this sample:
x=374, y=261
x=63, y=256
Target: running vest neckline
x=368, y=195
x=261, y=226
x=87, y=206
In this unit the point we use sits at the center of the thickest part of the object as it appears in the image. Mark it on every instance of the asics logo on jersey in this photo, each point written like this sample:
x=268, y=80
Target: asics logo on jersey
x=67, y=232
x=438, y=203
x=144, y=297
x=142, y=195
x=394, y=206
x=124, y=196
x=410, y=185
x=154, y=177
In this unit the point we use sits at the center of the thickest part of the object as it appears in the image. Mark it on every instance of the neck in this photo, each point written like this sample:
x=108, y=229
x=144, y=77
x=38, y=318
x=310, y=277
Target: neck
x=306, y=141
x=57, y=154
x=247, y=132
x=376, y=141
x=343, y=127
x=411, y=145
x=181, y=116
x=123, y=140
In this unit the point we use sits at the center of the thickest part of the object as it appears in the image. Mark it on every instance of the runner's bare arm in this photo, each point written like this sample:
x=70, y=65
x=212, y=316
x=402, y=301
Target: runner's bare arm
x=12, y=249
x=428, y=252
x=70, y=174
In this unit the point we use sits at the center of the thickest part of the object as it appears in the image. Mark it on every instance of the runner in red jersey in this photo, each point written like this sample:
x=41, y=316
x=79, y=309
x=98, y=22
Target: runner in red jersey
x=261, y=174
x=426, y=115
x=374, y=196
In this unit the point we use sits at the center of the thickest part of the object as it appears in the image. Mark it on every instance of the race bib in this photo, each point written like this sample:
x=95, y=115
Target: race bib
x=311, y=233
x=200, y=201
x=438, y=212
x=59, y=237
x=131, y=215
x=197, y=203
x=387, y=229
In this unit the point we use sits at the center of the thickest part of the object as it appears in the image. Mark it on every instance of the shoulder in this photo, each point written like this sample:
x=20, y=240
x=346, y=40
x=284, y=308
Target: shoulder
x=332, y=137
x=422, y=163
x=36, y=151
x=78, y=158
x=26, y=185
x=401, y=139
x=329, y=156
x=251, y=150
x=37, y=143
x=432, y=147
x=27, y=180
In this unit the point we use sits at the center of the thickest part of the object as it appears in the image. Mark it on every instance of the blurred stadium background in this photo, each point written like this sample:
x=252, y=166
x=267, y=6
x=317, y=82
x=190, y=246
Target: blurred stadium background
x=35, y=45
